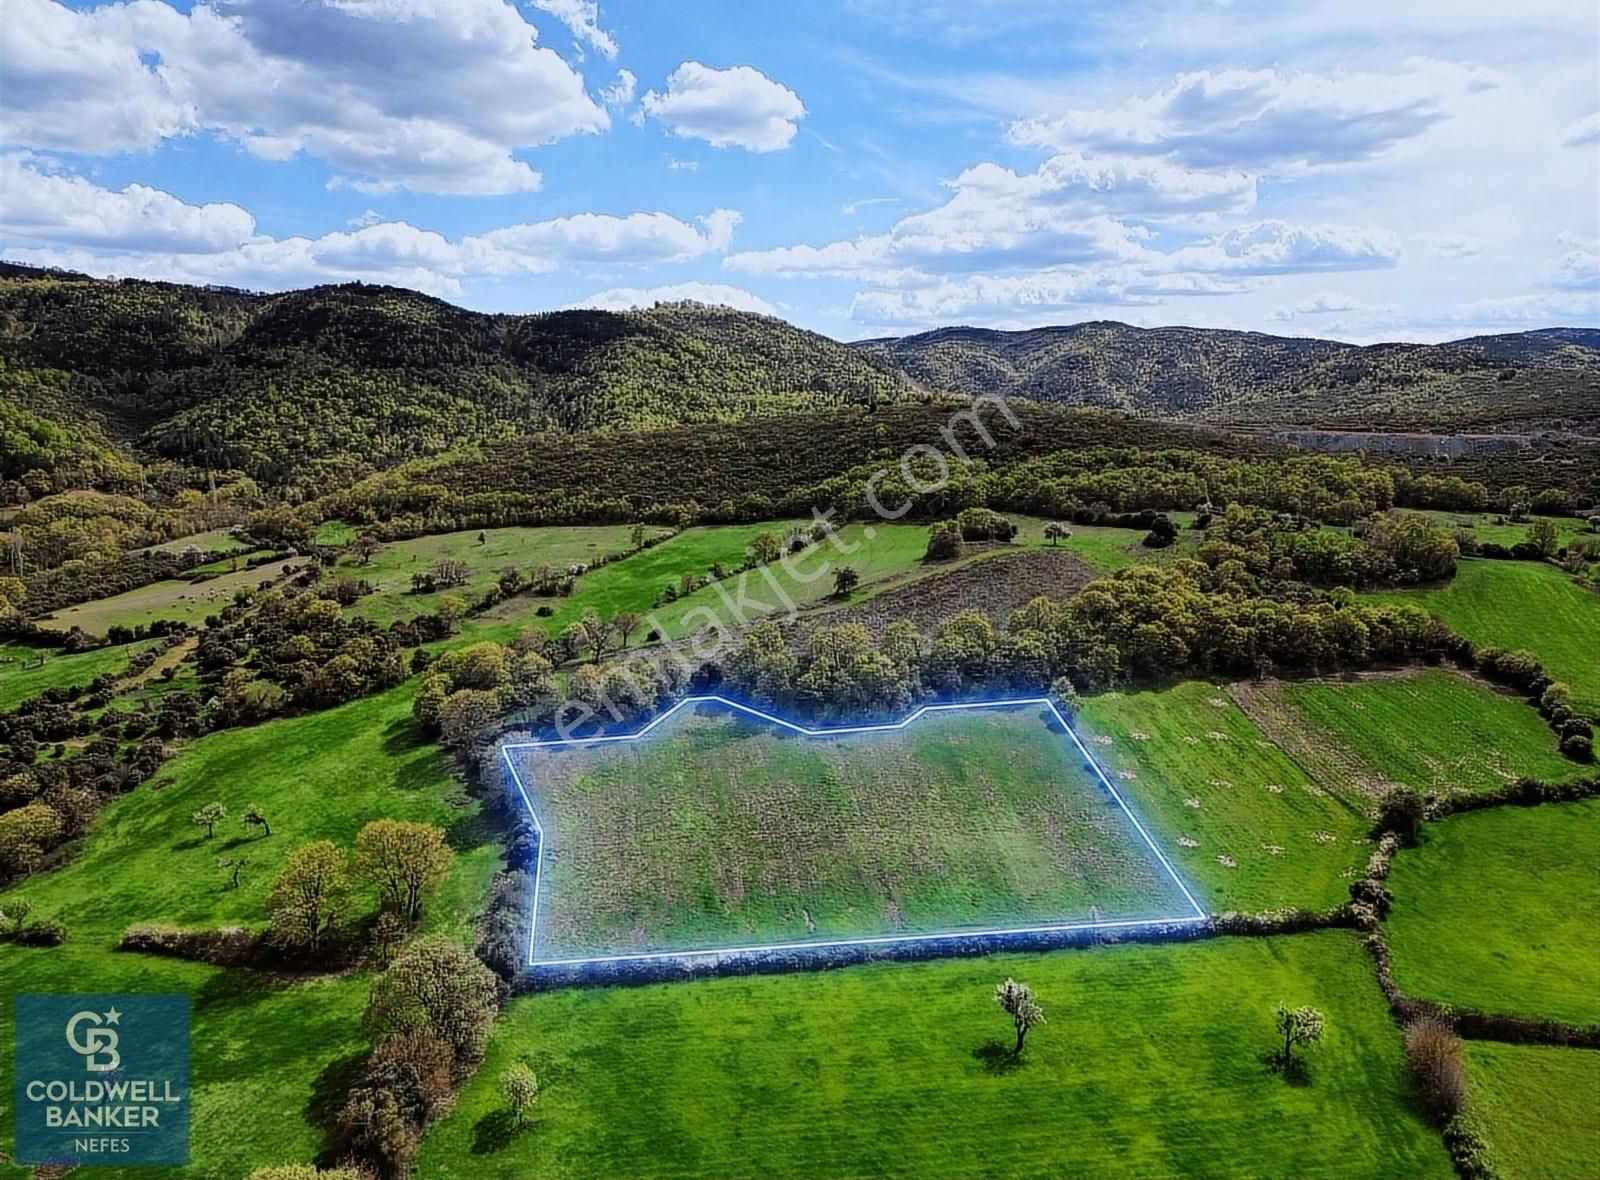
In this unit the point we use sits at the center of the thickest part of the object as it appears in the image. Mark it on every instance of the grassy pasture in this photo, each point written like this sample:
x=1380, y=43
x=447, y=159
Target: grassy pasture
x=210, y=541
x=320, y=776
x=1433, y=731
x=1239, y=818
x=1150, y=1066
x=1487, y=528
x=1500, y=909
x=21, y=677
x=1523, y=604
x=391, y=567
x=718, y=830
x=174, y=599
x=1538, y=1107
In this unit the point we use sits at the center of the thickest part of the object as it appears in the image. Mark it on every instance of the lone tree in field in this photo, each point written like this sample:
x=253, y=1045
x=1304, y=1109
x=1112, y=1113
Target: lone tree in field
x=845, y=579
x=233, y=866
x=1545, y=536
x=1056, y=531
x=403, y=859
x=625, y=623
x=519, y=1086
x=208, y=817
x=1298, y=1026
x=1017, y=999
x=307, y=896
x=254, y=817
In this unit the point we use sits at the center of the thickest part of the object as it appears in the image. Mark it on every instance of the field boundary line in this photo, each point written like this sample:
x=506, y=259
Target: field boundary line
x=1198, y=913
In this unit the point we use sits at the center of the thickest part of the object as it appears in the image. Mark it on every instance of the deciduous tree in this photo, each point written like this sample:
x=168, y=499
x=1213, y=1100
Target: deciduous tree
x=403, y=859
x=1018, y=1001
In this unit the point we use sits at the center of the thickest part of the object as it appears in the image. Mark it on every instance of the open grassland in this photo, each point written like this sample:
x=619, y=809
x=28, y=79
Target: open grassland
x=1433, y=731
x=1539, y=1108
x=1239, y=818
x=1500, y=910
x=1110, y=549
x=721, y=830
x=265, y=1054
x=1151, y=1066
x=1523, y=604
x=22, y=676
x=210, y=541
x=175, y=599
x=1495, y=528
x=321, y=776
x=391, y=568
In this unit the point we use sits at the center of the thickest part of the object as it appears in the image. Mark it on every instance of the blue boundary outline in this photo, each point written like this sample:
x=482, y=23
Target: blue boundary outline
x=1199, y=914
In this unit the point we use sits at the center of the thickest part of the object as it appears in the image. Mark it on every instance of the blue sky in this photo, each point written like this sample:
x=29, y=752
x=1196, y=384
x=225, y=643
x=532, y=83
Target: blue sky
x=1366, y=171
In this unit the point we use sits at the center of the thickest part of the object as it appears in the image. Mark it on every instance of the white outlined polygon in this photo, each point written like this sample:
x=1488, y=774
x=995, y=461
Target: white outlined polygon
x=1198, y=915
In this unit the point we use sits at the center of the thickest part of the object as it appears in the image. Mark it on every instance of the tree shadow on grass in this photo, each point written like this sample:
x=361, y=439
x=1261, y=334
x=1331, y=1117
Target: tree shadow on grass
x=998, y=1058
x=403, y=736
x=331, y=1088
x=496, y=1131
x=1294, y=1071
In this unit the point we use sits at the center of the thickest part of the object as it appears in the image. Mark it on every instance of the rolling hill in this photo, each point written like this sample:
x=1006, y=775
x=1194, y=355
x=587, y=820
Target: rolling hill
x=313, y=388
x=1550, y=376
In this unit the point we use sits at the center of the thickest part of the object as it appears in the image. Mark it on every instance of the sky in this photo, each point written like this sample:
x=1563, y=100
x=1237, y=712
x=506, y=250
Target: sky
x=1420, y=170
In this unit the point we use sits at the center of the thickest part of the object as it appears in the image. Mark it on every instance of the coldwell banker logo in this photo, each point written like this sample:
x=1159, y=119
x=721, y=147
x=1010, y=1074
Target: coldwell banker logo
x=102, y=1079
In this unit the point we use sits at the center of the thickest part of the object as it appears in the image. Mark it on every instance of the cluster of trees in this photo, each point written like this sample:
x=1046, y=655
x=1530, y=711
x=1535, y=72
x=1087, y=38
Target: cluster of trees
x=429, y=1016
x=465, y=692
x=309, y=902
x=1385, y=549
x=1143, y=623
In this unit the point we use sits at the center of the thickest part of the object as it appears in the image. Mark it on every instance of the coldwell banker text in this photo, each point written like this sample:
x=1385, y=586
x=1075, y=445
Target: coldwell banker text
x=102, y=1079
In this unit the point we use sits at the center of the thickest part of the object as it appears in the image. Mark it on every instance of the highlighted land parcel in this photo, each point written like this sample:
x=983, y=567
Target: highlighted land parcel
x=720, y=828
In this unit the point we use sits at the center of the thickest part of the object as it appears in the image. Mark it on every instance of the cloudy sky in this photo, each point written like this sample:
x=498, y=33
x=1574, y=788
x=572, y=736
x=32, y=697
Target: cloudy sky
x=1416, y=170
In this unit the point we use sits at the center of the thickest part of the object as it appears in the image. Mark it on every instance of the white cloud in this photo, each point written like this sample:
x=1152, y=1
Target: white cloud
x=620, y=92
x=1270, y=119
x=1275, y=247
x=676, y=165
x=431, y=96
x=716, y=294
x=68, y=221
x=738, y=107
x=38, y=204
x=583, y=18
x=1585, y=131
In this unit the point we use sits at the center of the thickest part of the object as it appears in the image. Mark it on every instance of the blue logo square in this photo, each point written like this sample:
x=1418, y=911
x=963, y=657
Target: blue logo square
x=102, y=1079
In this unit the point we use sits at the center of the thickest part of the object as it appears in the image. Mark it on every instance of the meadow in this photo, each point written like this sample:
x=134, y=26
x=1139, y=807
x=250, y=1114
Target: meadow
x=1151, y=1065
x=23, y=676
x=1538, y=1107
x=719, y=830
x=176, y=599
x=390, y=569
x=1522, y=604
x=1239, y=818
x=1434, y=731
x=1496, y=910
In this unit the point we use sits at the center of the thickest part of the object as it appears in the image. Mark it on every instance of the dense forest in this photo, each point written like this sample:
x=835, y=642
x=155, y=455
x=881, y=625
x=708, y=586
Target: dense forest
x=1488, y=381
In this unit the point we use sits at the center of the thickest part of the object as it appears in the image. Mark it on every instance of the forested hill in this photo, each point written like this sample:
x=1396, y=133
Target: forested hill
x=312, y=388
x=1546, y=376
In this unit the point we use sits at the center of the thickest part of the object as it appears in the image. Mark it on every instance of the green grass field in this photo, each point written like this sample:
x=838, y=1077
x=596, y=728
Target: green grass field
x=1486, y=527
x=210, y=541
x=1151, y=1065
x=175, y=599
x=1500, y=909
x=391, y=567
x=321, y=776
x=1523, y=604
x=21, y=678
x=1239, y=818
x=1433, y=731
x=1538, y=1107
x=720, y=830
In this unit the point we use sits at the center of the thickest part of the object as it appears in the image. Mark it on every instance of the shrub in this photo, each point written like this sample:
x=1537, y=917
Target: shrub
x=1435, y=1054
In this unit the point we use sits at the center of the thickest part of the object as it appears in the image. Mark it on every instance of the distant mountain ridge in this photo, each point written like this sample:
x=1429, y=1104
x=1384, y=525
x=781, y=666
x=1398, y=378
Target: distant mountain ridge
x=1223, y=375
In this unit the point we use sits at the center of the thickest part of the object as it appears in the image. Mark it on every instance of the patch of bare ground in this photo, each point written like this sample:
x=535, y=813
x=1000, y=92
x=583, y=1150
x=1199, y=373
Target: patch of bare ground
x=996, y=586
